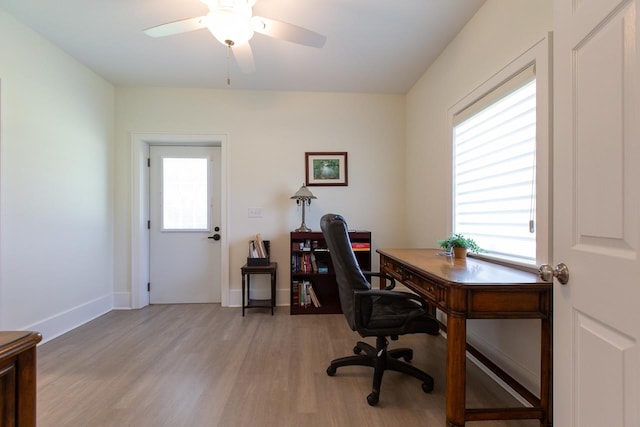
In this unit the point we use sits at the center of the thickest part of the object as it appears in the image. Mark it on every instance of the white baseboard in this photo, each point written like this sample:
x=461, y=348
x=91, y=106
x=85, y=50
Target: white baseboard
x=60, y=323
x=122, y=300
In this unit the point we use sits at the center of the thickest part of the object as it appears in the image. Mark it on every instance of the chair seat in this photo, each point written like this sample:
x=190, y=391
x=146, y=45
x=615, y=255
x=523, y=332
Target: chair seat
x=410, y=318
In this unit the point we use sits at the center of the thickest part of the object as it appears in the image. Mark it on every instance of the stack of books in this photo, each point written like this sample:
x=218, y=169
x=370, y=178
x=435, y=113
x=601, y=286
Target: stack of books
x=304, y=295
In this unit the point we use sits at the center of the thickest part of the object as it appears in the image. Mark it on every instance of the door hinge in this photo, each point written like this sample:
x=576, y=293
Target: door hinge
x=148, y=286
x=149, y=225
x=148, y=162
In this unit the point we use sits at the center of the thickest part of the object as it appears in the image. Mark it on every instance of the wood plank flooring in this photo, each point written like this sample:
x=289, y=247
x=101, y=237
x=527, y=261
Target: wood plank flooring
x=204, y=365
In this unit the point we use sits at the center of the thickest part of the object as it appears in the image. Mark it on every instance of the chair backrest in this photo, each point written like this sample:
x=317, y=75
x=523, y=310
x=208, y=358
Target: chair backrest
x=348, y=273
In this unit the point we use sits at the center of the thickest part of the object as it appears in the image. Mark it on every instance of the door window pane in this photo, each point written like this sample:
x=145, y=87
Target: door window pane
x=184, y=194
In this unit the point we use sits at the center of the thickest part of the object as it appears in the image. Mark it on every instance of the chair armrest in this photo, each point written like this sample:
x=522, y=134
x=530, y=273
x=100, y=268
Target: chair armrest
x=369, y=274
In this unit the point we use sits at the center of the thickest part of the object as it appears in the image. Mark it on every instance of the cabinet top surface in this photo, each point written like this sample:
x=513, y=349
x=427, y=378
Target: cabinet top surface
x=460, y=271
x=318, y=234
x=10, y=340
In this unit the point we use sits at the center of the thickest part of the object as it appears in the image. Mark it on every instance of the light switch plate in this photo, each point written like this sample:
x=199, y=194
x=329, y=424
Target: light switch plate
x=255, y=212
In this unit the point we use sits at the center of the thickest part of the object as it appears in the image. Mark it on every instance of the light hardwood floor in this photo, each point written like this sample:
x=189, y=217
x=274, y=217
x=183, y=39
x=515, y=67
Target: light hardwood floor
x=203, y=365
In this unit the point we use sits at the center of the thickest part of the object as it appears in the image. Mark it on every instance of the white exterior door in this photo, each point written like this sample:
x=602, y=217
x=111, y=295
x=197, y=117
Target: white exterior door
x=597, y=213
x=184, y=204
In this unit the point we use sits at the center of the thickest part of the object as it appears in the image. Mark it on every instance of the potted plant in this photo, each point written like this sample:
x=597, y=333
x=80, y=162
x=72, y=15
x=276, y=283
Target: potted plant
x=459, y=244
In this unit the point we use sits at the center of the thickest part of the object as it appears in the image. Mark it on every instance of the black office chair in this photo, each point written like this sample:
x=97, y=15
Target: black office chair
x=372, y=312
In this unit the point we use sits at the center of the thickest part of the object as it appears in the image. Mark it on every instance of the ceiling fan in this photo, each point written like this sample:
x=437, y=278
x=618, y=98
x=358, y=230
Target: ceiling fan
x=232, y=23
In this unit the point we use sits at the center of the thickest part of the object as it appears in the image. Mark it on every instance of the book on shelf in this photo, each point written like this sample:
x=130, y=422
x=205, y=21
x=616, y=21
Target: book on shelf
x=260, y=247
x=304, y=263
x=253, y=252
x=295, y=292
x=314, y=297
x=361, y=246
x=305, y=295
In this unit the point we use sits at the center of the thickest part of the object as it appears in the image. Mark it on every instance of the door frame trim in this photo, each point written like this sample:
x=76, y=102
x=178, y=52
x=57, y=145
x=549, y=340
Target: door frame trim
x=139, y=242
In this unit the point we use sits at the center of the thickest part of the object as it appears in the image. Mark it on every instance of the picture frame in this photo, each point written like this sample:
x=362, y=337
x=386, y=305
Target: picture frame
x=326, y=168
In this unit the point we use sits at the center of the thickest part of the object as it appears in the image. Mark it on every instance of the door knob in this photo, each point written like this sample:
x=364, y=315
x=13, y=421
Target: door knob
x=561, y=272
x=215, y=237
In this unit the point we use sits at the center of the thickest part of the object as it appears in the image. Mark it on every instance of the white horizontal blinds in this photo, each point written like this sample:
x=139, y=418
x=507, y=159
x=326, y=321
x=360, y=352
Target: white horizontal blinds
x=494, y=170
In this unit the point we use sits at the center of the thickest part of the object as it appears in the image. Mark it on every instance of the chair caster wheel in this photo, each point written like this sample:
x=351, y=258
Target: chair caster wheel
x=357, y=350
x=331, y=371
x=427, y=386
x=372, y=399
x=409, y=356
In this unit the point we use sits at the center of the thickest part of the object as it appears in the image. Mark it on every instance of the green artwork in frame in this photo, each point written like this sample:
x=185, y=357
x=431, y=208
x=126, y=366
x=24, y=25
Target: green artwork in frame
x=326, y=168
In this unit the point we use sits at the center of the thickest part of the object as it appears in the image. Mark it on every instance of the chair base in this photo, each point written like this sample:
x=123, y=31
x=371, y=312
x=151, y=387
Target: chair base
x=381, y=359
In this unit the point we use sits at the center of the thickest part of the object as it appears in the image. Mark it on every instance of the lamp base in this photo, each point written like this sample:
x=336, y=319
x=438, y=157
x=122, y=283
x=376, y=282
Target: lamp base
x=302, y=229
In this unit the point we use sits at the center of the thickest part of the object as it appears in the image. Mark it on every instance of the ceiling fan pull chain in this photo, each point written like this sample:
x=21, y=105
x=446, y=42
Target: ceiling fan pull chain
x=228, y=55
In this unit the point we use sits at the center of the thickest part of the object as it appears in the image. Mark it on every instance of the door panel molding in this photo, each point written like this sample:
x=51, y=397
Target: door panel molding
x=593, y=339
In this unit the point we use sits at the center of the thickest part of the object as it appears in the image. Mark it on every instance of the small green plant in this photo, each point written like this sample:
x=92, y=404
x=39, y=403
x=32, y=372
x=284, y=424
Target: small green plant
x=459, y=241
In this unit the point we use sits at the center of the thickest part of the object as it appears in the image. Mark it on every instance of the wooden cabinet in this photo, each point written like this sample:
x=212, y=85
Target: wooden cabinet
x=18, y=378
x=313, y=282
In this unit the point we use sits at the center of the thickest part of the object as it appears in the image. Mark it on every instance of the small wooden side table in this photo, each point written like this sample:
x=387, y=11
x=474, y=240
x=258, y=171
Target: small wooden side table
x=247, y=271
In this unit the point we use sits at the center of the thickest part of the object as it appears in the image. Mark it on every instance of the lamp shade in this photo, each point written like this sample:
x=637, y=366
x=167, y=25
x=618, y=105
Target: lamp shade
x=303, y=194
x=303, y=197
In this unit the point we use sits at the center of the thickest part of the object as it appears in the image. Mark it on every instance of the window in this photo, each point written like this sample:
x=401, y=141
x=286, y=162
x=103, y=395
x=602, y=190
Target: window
x=500, y=140
x=184, y=194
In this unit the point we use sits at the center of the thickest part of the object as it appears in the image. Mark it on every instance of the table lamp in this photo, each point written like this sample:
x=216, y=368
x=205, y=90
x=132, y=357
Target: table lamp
x=303, y=197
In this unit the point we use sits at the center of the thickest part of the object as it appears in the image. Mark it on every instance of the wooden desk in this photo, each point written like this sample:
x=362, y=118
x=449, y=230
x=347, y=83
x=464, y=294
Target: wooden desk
x=18, y=378
x=475, y=289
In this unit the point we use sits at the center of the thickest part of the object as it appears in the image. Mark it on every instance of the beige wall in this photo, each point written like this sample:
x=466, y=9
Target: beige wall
x=268, y=133
x=56, y=206
x=495, y=36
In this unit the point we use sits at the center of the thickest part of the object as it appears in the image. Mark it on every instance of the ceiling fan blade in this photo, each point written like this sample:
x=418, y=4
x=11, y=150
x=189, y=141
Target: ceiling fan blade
x=244, y=57
x=286, y=31
x=177, y=27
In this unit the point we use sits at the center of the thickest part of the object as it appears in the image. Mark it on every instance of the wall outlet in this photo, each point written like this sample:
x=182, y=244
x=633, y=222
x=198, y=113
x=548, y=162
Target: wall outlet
x=255, y=212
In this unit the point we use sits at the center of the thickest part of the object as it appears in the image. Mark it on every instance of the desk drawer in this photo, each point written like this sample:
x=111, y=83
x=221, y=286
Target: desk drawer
x=393, y=269
x=424, y=287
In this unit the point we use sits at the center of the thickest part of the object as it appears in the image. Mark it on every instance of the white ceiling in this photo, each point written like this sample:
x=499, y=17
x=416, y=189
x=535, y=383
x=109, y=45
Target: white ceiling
x=377, y=46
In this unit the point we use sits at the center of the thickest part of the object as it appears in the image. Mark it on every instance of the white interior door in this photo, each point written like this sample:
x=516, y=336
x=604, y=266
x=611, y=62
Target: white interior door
x=597, y=213
x=184, y=204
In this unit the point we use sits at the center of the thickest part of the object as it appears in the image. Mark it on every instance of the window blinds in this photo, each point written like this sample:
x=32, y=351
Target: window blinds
x=494, y=170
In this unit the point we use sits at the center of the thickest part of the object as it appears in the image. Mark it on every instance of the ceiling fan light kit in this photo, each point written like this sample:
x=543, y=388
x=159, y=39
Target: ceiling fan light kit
x=232, y=23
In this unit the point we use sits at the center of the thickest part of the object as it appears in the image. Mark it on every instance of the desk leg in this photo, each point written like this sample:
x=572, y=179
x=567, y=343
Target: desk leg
x=243, y=292
x=273, y=291
x=456, y=370
x=546, y=368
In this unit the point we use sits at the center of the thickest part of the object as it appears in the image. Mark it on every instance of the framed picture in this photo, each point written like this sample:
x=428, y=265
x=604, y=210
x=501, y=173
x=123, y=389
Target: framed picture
x=326, y=168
